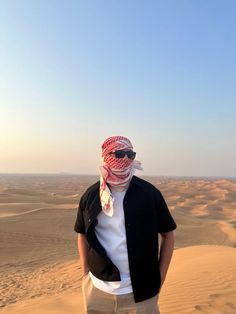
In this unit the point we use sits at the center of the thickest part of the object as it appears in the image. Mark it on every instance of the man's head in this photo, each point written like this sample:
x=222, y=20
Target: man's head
x=117, y=152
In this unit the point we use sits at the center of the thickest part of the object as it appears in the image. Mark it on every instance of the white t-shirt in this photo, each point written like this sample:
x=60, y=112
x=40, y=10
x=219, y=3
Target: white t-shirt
x=111, y=233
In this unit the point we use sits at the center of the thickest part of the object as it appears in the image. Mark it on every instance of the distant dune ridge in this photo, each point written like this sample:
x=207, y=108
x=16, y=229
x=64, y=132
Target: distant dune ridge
x=40, y=270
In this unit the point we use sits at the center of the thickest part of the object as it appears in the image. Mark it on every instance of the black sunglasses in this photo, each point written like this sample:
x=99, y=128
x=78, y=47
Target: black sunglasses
x=121, y=154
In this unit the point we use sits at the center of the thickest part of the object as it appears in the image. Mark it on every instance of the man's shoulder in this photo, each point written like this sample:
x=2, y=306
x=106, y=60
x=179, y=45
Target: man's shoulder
x=149, y=190
x=92, y=188
x=145, y=184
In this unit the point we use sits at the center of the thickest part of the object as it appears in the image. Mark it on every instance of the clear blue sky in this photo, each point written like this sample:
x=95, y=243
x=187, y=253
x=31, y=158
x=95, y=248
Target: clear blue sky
x=162, y=73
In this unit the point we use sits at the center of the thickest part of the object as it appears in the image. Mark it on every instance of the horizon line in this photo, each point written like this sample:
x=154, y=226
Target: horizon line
x=142, y=175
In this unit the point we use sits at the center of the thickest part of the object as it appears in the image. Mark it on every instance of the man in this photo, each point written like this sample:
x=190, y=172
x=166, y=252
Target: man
x=118, y=222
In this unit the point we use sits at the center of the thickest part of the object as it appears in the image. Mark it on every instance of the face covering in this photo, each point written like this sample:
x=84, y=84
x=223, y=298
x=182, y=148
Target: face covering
x=114, y=171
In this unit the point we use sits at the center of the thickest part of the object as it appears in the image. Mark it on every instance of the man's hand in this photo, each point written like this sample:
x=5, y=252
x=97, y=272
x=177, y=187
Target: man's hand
x=84, y=271
x=162, y=279
x=166, y=251
x=83, y=253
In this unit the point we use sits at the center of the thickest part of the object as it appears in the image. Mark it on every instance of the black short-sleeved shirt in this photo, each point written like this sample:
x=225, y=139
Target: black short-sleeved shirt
x=146, y=214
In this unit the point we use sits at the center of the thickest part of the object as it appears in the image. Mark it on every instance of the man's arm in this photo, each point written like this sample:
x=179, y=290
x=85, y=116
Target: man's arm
x=83, y=253
x=166, y=251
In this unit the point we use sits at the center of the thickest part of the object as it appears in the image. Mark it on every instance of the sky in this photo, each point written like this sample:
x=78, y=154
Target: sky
x=161, y=73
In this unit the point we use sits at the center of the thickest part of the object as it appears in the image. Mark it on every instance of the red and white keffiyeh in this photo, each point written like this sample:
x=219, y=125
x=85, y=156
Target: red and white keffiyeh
x=115, y=171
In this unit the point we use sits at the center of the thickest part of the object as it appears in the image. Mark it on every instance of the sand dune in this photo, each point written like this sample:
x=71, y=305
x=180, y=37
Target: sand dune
x=201, y=279
x=40, y=270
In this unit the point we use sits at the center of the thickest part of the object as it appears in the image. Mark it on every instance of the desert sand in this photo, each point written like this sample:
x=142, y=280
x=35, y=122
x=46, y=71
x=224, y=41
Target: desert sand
x=40, y=270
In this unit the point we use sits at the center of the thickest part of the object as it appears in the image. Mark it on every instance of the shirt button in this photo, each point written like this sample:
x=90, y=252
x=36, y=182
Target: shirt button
x=89, y=220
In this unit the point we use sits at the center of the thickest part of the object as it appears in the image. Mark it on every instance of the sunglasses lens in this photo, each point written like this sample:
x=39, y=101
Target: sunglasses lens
x=122, y=153
x=131, y=155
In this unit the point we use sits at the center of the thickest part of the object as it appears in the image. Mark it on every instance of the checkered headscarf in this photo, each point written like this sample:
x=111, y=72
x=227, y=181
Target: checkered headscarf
x=115, y=171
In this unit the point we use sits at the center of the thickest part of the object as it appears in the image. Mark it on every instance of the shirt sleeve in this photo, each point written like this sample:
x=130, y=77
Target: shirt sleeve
x=165, y=222
x=79, y=223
